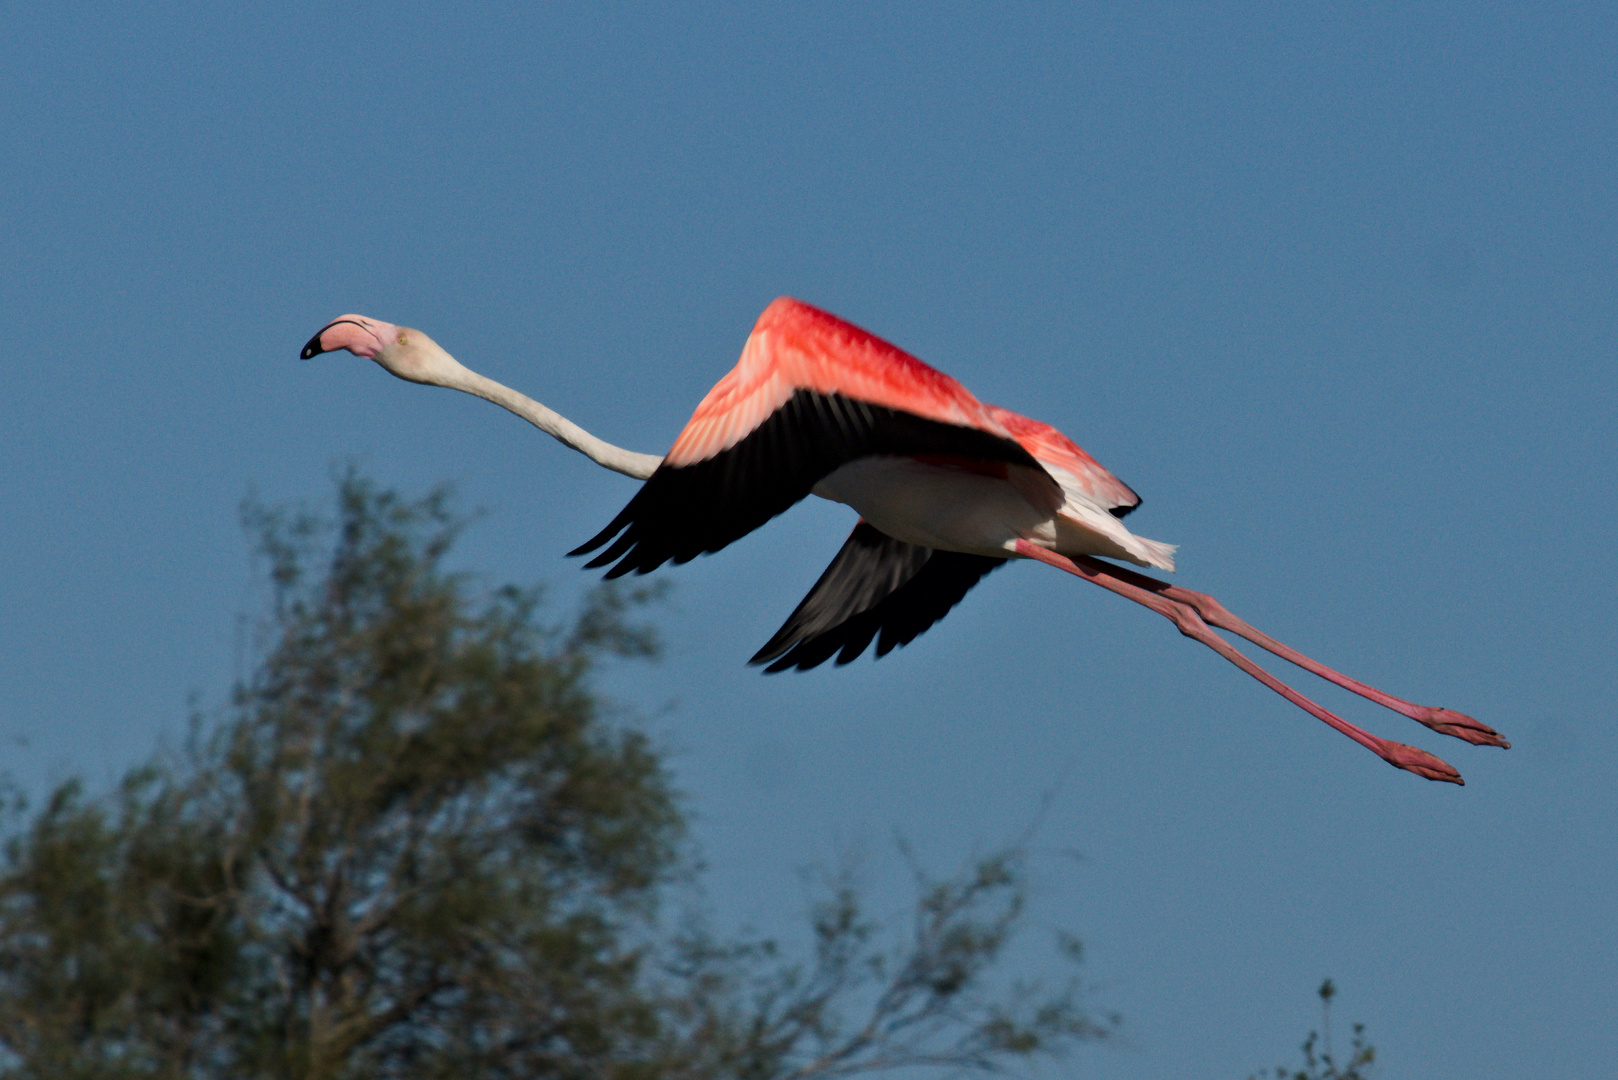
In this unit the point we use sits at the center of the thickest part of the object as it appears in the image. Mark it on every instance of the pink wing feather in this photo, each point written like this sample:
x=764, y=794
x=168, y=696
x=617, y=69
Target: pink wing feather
x=1050, y=447
x=795, y=347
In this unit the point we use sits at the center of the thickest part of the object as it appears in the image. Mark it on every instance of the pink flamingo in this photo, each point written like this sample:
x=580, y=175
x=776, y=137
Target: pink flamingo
x=947, y=488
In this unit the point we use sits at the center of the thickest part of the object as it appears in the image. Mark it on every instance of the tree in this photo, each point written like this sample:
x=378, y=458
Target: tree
x=1318, y=1060
x=414, y=846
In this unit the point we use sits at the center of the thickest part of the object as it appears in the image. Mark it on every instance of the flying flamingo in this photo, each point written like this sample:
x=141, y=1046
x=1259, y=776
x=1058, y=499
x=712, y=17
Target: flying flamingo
x=947, y=488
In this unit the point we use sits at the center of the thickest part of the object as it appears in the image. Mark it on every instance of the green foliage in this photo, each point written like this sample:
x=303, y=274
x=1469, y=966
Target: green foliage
x=414, y=847
x=1318, y=1060
x=871, y=1001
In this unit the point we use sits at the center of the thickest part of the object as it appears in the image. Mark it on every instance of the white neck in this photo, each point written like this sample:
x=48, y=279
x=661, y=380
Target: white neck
x=565, y=431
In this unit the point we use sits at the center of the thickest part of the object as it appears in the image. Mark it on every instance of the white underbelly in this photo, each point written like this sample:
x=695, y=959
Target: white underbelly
x=954, y=509
x=937, y=506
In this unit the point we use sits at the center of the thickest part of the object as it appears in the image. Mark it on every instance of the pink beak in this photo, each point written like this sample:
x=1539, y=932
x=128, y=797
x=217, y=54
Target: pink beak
x=355, y=333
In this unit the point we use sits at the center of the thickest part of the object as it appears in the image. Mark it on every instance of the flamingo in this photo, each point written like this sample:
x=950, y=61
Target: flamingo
x=948, y=489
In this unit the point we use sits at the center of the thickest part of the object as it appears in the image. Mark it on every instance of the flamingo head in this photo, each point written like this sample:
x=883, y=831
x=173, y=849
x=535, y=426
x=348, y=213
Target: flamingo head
x=409, y=354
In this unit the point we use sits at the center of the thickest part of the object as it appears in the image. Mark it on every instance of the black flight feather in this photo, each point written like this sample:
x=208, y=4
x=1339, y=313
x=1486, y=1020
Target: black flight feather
x=876, y=587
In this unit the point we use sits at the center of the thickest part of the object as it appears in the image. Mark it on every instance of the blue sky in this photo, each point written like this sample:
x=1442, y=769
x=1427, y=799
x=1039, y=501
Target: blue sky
x=1334, y=289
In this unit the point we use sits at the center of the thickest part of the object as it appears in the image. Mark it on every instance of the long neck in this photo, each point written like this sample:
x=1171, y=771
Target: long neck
x=565, y=431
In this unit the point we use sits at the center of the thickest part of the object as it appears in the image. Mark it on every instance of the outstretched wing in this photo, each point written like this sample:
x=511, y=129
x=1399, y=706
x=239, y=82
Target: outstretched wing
x=810, y=394
x=875, y=586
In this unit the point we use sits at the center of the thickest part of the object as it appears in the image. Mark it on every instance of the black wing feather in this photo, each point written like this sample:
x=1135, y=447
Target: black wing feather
x=875, y=586
x=684, y=511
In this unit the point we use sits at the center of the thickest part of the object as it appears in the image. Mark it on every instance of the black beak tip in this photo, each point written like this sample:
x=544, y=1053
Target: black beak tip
x=312, y=349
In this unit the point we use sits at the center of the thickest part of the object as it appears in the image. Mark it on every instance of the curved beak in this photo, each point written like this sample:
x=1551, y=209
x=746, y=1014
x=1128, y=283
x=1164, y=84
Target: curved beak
x=351, y=332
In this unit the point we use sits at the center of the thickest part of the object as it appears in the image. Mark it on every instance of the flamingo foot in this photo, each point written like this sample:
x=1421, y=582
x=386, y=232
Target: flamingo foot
x=1413, y=759
x=1444, y=721
x=1461, y=726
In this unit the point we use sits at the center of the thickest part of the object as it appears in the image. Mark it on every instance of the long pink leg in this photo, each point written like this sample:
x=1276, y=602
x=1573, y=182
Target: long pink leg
x=1191, y=624
x=1444, y=721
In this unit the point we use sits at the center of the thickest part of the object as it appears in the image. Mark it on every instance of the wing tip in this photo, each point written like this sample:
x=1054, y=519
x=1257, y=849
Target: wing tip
x=1123, y=510
x=617, y=526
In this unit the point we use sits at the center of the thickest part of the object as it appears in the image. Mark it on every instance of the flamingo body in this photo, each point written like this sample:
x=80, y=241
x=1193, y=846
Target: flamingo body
x=817, y=405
